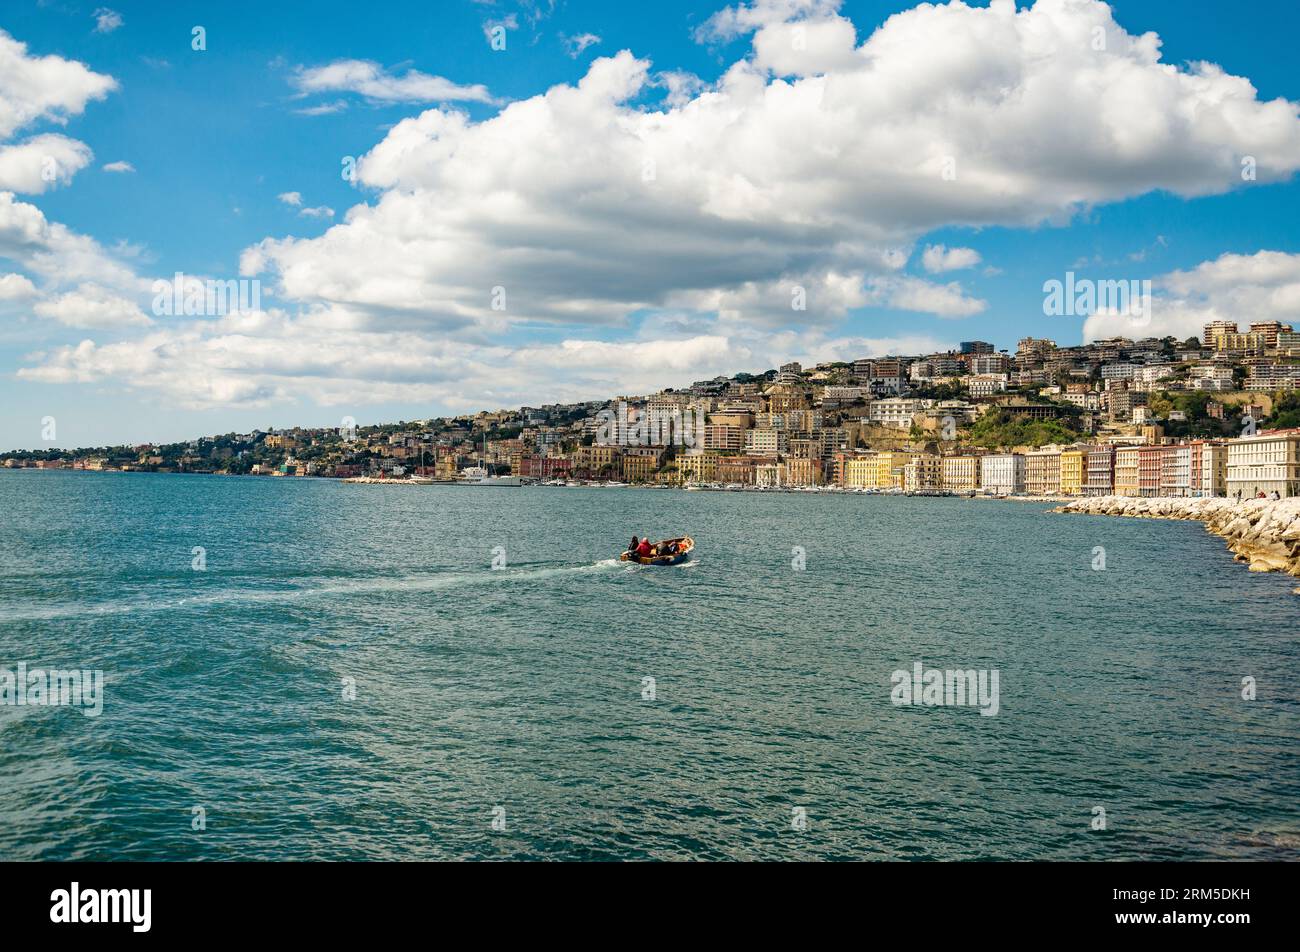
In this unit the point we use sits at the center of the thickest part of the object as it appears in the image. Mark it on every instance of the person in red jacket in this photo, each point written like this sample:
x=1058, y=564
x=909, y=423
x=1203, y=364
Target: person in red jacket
x=643, y=549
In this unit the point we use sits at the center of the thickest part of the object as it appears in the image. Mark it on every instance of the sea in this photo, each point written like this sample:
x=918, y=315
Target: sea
x=303, y=669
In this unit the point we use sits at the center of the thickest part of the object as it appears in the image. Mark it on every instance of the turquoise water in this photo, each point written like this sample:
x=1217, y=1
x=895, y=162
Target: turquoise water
x=521, y=688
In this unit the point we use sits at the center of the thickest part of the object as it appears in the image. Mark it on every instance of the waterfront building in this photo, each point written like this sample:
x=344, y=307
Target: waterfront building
x=1101, y=471
x=1265, y=463
x=889, y=469
x=960, y=473
x=640, y=463
x=769, y=475
x=1002, y=474
x=698, y=467
x=1150, y=468
x=860, y=472
x=1126, y=471
x=1176, y=471
x=1043, y=472
x=1209, y=468
x=804, y=471
x=1074, y=468
x=923, y=473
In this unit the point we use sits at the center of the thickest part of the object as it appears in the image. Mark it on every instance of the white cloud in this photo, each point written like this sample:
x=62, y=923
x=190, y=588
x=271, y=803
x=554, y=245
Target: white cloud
x=290, y=198
x=1264, y=286
x=119, y=167
x=15, y=287
x=906, y=293
x=41, y=163
x=320, y=211
x=937, y=258
x=324, y=109
x=815, y=170
x=43, y=87
x=106, y=20
x=371, y=80
x=91, y=306
x=576, y=44
x=56, y=253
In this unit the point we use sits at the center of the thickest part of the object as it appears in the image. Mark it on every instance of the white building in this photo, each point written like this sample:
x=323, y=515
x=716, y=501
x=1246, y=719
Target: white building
x=896, y=412
x=986, y=385
x=1265, y=463
x=1002, y=474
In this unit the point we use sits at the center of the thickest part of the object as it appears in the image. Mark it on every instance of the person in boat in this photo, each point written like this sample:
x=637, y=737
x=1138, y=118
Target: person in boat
x=644, y=549
x=631, y=549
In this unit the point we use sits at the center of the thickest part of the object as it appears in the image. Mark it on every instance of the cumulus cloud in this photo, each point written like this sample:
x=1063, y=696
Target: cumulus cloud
x=57, y=254
x=290, y=198
x=1264, y=286
x=371, y=80
x=319, y=211
x=41, y=163
x=937, y=258
x=92, y=306
x=16, y=287
x=43, y=87
x=819, y=163
x=119, y=167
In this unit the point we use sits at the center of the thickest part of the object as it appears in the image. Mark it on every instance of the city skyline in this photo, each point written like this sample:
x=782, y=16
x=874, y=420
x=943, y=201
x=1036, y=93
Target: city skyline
x=545, y=177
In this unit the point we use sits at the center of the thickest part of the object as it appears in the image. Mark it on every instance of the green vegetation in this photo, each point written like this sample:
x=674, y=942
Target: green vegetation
x=1286, y=410
x=999, y=428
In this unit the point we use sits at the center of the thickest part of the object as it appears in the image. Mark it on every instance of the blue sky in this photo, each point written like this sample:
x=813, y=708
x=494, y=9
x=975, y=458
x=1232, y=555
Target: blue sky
x=215, y=137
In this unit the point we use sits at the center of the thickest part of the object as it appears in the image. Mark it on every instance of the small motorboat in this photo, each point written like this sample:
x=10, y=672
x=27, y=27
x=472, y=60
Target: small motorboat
x=674, y=551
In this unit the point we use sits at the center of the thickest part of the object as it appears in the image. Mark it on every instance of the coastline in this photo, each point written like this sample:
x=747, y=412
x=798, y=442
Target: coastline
x=1263, y=533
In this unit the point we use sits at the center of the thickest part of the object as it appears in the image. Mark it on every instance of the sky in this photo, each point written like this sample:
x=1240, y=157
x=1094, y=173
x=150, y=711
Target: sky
x=451, y=206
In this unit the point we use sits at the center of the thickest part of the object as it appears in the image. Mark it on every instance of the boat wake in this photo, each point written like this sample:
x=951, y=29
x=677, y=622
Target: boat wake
x=306, y=591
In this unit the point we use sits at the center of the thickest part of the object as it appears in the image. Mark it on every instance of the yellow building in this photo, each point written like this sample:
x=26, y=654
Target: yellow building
x=1126, y=471
x=889, y=469
x=698, y=468
x=1074, y=466
x=640, y=465
x=1043, y=472
x=860, y=472
x=960, y=473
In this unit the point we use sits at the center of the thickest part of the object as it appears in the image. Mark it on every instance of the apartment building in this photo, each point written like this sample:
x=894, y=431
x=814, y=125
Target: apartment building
x=923, y=473
x=959, y=473
x=1074, y=468
x=1265, y=463
x=889, y=469
x=1002, y=474
x=1209, y=464
x=1043, y=472
x=1100, y=479
x=1126, y=471
x=1150, y=469
x=1176, y=471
